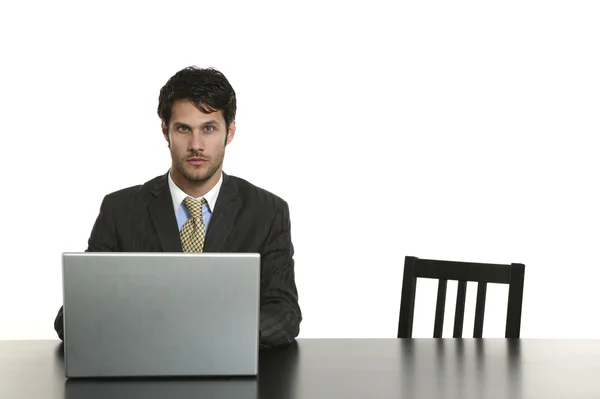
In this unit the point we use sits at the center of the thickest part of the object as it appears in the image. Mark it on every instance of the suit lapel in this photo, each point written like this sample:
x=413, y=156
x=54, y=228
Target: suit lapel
x=163, y=217
x=222, y=220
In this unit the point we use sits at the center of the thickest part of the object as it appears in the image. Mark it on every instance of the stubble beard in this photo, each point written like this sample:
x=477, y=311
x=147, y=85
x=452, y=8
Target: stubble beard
x=202, y=173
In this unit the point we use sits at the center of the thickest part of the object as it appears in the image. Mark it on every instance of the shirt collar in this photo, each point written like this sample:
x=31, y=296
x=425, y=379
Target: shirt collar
x=178, y=195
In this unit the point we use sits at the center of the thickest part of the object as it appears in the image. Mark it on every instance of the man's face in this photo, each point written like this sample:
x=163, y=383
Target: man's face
x=197, y=141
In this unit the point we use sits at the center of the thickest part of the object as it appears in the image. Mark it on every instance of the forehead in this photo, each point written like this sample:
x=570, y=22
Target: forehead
x=185, y=111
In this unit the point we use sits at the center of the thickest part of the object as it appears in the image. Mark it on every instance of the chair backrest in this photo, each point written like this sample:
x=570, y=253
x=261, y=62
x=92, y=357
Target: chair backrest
x=482, y=273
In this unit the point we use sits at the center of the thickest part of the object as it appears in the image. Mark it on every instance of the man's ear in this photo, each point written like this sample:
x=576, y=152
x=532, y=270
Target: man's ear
x=230, y=133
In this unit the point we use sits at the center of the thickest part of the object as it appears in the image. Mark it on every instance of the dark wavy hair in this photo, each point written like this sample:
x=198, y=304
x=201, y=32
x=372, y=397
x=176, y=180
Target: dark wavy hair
x=208, y=88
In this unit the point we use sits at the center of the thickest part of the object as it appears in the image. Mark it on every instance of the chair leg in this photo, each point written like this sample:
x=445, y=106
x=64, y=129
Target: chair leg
x=407, y=301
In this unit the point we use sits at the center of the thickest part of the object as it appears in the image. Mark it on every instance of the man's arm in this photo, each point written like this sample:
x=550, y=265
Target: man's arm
x=280, y=314
x=102, y=239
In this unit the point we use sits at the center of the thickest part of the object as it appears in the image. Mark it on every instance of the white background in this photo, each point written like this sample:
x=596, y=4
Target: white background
x=444, y=130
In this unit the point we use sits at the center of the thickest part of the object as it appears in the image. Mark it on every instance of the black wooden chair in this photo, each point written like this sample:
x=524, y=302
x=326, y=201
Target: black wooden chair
x=483, y=273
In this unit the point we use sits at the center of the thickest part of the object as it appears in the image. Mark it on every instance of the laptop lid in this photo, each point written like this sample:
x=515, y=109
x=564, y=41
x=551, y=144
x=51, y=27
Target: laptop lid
x=161, y=314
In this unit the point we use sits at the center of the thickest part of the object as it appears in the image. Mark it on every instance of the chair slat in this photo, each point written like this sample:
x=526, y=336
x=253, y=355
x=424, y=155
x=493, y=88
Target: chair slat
x=439, y=309
x=459, y=315
x=479, y=310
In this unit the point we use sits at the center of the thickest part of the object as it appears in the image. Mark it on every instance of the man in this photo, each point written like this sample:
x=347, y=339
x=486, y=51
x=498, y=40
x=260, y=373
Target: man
x=196, y=207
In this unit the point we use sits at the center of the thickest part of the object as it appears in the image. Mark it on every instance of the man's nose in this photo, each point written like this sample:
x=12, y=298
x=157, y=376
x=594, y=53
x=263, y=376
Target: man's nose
x=197, y=142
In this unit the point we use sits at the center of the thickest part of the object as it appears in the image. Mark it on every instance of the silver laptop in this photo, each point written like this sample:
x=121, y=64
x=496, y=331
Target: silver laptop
x=161, y=314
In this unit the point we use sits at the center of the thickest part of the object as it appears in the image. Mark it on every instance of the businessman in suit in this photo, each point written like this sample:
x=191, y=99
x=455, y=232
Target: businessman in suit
x=196, y=207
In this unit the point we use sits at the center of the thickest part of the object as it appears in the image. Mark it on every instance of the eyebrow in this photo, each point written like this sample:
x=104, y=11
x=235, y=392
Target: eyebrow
x=207, y=123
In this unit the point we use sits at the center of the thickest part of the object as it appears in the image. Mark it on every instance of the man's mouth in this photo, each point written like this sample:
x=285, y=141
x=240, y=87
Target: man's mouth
x=196, y=161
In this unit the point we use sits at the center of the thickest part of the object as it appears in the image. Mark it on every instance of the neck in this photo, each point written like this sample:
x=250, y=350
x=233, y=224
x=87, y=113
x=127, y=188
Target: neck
x=195, y=189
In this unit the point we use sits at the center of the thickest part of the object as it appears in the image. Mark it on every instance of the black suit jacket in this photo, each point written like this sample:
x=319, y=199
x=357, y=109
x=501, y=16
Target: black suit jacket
x=246, y=218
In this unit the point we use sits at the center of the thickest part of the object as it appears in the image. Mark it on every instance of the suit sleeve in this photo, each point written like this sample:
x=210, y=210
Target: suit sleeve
x=102, y=239
x=280, y=314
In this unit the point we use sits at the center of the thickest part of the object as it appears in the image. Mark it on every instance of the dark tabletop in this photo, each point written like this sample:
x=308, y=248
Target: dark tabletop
x=341, y=368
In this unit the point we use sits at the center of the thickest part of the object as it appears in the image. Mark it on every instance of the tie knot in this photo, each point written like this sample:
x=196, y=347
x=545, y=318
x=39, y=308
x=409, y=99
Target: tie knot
x=195, y=206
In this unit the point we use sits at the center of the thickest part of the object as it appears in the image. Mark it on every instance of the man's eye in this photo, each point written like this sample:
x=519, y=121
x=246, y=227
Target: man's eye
x=183, y=128
x=209, y=129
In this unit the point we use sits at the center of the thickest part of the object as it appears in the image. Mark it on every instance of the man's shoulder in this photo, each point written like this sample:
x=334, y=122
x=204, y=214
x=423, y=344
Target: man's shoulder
x=139, y=191
x=252, y=193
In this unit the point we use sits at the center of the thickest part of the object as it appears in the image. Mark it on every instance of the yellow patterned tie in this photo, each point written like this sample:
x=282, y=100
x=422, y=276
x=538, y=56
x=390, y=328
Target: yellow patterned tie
x=193, y=231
